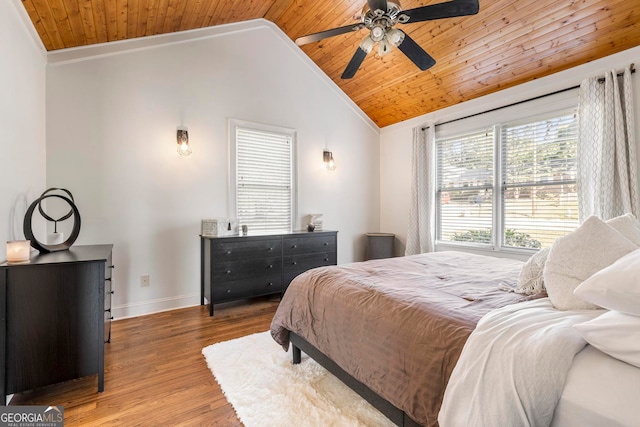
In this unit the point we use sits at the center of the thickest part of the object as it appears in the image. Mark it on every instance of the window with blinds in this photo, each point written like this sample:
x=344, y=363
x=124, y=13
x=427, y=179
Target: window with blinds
x=540, y=201
x=511, y=185
x=465, y=187
x=264, y=179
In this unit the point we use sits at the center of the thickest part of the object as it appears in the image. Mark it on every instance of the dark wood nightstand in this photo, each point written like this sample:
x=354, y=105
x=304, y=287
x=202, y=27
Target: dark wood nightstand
x=52, y=318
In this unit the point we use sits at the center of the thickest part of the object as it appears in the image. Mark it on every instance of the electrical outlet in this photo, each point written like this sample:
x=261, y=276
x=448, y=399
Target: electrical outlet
x=145, y=281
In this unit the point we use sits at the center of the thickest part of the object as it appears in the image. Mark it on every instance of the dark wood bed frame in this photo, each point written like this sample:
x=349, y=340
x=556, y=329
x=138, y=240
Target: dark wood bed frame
x=397, y=416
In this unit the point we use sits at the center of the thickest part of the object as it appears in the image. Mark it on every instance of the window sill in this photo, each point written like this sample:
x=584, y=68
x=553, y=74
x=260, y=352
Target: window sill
x=519, y=254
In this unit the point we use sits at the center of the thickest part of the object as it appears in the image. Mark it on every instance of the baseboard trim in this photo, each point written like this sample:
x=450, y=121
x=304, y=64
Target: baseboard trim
x=158, y=305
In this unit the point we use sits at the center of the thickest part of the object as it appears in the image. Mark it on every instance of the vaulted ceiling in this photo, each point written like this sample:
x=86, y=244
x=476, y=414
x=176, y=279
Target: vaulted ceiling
x=507, y=43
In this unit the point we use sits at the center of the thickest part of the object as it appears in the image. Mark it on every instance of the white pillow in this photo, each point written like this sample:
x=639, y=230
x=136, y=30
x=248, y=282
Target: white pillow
x=616, y=287
x=628, y=226
x=530, y=281
x=614, y=333
x=577, y=256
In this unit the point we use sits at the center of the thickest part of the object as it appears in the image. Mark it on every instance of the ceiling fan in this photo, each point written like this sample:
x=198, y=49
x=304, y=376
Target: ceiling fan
x=380, y=17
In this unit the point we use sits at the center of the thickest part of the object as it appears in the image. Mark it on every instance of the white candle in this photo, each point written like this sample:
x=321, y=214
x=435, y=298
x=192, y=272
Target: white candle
x=55, y=238
x=18, y=251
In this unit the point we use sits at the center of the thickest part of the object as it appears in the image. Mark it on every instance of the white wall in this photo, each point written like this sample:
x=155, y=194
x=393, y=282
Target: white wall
x=22, y=120
x=396, y=140
x=111, y=129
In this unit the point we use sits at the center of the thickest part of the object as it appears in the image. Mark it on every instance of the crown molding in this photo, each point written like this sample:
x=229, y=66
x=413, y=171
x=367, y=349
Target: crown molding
x=25, y=20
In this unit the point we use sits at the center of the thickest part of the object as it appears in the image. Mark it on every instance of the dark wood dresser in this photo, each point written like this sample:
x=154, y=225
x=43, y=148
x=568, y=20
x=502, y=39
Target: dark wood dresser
x=240, y=267
x=53, y=313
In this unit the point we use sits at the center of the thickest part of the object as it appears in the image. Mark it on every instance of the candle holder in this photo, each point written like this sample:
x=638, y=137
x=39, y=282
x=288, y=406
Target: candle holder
x=18, y=252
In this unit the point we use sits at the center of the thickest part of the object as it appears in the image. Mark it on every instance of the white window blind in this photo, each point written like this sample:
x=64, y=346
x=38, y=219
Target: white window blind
x=465, y=187
x=264, y=179
x=539, y=179
x=510, y=185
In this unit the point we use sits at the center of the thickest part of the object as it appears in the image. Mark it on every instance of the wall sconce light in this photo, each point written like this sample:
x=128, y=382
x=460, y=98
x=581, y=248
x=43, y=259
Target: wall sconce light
x=184, y=149
x=327, y=158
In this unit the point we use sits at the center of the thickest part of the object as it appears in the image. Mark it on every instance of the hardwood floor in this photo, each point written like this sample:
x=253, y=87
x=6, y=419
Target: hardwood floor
x=155, y=374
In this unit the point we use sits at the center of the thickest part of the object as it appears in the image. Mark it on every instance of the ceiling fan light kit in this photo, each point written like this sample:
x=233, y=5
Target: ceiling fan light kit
x=380, y=18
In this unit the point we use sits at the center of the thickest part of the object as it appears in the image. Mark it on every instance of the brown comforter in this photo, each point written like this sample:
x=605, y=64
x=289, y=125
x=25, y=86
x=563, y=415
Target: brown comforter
x=398, y=325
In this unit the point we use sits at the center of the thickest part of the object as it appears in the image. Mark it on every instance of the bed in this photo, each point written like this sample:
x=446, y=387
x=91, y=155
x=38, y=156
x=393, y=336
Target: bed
x=393, y=329
x=439, y=339
x=434, y=339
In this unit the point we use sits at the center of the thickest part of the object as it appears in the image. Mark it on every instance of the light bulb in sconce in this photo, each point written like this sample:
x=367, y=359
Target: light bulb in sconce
x=184, y=149
x=327, y=158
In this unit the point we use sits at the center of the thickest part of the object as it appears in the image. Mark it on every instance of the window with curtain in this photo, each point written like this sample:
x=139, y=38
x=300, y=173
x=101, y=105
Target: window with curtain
x=263, y=179
x=510, y=185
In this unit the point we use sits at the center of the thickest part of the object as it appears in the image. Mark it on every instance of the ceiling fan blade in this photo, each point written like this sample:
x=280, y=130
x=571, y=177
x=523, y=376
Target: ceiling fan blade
x=328, y=33
x=415, y=53
x=354, y=64
x=442, y=10
x=377, y=4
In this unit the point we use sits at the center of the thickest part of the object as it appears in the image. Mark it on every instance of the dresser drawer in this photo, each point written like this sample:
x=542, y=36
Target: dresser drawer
x=308, y=244
x=237, y=270
x=304, y=262
x=107, y=325
x=108, y=271
x=243, y=250
x=291, y=270
x=108, y=292
x=229, y=291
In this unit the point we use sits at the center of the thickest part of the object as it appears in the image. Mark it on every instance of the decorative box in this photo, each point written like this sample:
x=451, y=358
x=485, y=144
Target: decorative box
x=219, y=227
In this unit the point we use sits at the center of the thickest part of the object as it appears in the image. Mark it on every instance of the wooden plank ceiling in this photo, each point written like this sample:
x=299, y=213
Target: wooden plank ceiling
x=507, y=43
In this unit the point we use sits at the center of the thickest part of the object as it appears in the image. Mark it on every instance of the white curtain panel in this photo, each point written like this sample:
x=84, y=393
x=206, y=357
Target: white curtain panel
x=421, y=210
x=606, y=156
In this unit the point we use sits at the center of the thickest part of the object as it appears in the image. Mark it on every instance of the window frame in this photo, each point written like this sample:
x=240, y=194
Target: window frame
x=232, y=167
x=536, y=109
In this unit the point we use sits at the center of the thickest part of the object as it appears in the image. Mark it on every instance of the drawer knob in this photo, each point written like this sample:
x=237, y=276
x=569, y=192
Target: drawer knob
x=270, y=284
x=228, y=252
x=326, y=243
x=326, y=259
x=294, y=263
x=228, y=271
x=270, y=265
x=270, y=249
x=228, y=291
x=294, y=246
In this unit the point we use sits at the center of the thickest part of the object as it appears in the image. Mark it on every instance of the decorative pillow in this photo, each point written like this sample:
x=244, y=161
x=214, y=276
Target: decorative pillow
x=628, y=226
x=530, y=281
x=614, y=333
x=577, y=256
x=616, y=287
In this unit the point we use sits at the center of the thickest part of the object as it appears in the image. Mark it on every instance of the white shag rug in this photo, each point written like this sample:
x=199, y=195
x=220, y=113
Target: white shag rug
x=266, y=389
